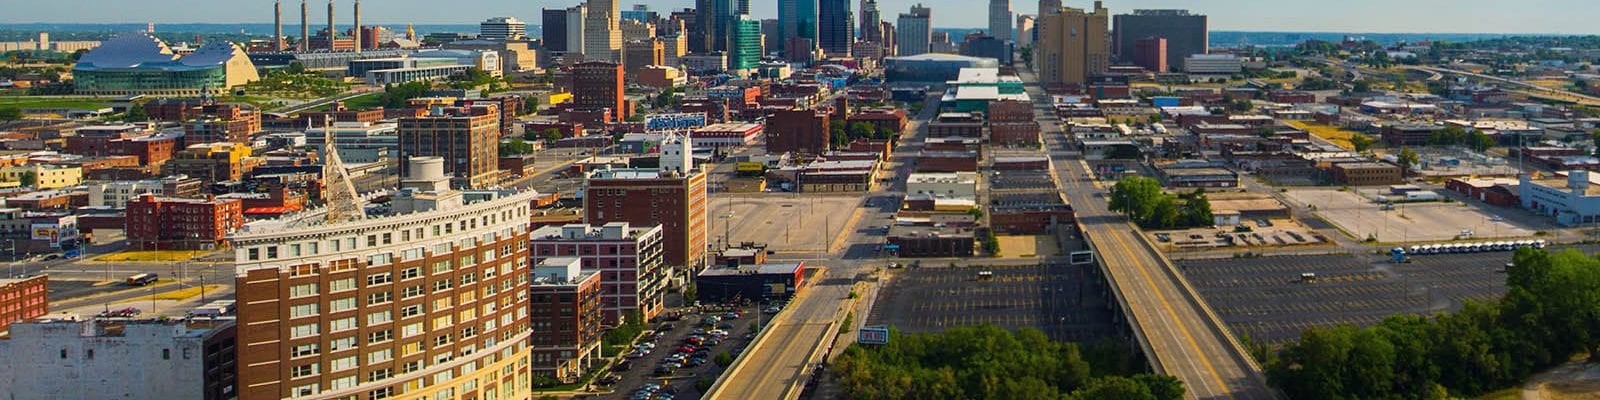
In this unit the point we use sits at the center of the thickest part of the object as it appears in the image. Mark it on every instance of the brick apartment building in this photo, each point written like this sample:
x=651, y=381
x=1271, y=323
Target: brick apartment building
x=432, y=298
x=798, y=130
x=23, y=299
x=893, y=119
x=633, y=274
x=598, y=85
x=161, y=223
x=566, y=318
x=649, y=197
x=222, y=123
x=1010, y=111
x=1407, y=134
x=468, y=138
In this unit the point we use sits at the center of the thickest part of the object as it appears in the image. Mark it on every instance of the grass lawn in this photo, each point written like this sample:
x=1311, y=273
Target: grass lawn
x=151, y=255
x=1338, y=136
x=53, y=102
x=186, y=293
x=364, y=102
x=258, y=101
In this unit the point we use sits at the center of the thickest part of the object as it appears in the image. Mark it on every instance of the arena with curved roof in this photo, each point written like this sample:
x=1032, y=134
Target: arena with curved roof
x=137, y=63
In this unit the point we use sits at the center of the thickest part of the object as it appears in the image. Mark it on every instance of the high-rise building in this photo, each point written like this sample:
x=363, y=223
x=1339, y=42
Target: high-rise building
x=836, y=27
x=703, y=29
x=1000, y=19
x=1047, y=7
x=1186, y=33
x=746, y=44
x=633, y=30
x=640, y=53
x=602, y=34
x=553, y=26
x=598, y=85
x=672, y=48
x=577, y=16
x=648, y=197
x=1025, y=30
x=1072, y=45
x=429, y=297
x=798, y=19
x=468, y=137
x=914, y=31
x=503, y=28
x=630, y=259
x=744, y=7
x=871, y=22
x=891, y=39
x=1151, y=53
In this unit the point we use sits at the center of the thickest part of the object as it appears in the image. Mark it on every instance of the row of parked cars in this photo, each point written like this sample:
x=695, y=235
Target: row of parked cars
x=1451, y=248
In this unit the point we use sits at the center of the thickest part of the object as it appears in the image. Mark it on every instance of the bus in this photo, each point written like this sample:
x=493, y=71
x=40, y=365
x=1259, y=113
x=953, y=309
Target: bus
x=142, y=279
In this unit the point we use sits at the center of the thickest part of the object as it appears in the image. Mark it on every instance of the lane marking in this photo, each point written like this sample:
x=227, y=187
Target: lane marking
x=1174, y=314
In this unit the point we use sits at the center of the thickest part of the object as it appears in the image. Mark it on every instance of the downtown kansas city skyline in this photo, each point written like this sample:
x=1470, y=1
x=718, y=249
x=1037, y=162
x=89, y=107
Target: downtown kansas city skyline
x=1422, y=16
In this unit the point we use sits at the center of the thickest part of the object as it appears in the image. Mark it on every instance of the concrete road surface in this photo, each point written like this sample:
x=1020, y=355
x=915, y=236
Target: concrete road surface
x=1168, y=316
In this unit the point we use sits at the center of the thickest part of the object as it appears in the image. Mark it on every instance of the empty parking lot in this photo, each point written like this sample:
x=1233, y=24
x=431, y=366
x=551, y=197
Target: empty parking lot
x=786, y=223
x=1357, y=214
x=1264, y=299
x=1062, y=301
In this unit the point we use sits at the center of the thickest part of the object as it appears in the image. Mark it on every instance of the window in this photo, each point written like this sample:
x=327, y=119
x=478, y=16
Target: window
x=342, y=363
x=379, y=318
x=443, y=285
x=411, y=292
x=442, y=266
x=488, y=273
x=468, y=279
x=306, y=390
x=254, y=254
x=380, y=374
x=306, y=330
x=469, y=260
x=380, y=356
x=341, y=285
x=380, y=336
x=303, y=310
x=301, y=371
x=443, y=321
x=309, y=289
x=272, y=252
x=379, y=279
x=344, y=343
x=411, y=329
x=309, y=349
x=166, y=354
x=341, y=305
x=379, y=298
x=411, y=273
x=379, y=259
x=343, y=383
x=410, y=311
x=488, y=254
x=342, y=324
x=411, y=366
x=380, y=394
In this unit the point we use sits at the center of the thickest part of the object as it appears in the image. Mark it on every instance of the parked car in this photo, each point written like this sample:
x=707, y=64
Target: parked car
x=622, y=366
x=663, y=370
x=608, y=380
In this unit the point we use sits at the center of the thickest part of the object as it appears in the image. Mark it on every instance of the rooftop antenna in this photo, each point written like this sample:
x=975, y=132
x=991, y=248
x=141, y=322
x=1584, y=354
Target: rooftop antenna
x=337, y=188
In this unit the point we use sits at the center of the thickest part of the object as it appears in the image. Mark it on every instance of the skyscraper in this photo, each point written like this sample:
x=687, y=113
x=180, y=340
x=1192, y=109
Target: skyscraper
x=836, y=27
x=914, y=31
x=1000, y=19
x=745, y=46
x=503, y=28
x=871, y=22
x=713, y=21
x=602, y=36
x=1186, y=33
x=553, y=25
x=1047, y=7
x=1072, y=45
x=1025, y=31
x=576, y=17
x=799, y=20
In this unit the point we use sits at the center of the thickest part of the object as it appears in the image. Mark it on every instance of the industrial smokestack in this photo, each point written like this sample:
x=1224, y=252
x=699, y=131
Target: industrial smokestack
x=333, y=35
x=305, y=27
x=277, y=25
x=358, y=26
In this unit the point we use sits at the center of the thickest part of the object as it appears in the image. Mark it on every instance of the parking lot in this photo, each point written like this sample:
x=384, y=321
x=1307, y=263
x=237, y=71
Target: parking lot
x=1061, y=300
x=785, y=222
x=643, y=370
x=1355, y=212
x=1266, y=299
x=1263, y=233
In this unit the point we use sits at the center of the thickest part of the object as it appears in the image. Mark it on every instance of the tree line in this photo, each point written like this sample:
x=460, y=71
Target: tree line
x=1142, y=200
x=988, y=362
x=1551, y=313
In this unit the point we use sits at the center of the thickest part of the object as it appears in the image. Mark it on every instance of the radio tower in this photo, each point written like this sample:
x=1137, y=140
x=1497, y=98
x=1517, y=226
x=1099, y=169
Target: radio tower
x=337, y=189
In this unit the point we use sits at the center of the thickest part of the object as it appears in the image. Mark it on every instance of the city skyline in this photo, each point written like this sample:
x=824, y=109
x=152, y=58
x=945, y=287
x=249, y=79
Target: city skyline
x=1529, y=17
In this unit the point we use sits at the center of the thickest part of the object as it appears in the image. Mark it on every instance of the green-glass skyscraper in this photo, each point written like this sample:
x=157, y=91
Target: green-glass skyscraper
x=744, y=44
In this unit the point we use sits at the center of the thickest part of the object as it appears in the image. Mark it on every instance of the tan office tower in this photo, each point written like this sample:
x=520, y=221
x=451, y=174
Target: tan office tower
x=602, y=32
x=426, y=299
x=1073, y=45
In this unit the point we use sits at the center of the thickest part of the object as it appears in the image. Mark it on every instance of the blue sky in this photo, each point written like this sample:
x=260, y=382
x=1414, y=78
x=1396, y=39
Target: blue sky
x=1471, y=16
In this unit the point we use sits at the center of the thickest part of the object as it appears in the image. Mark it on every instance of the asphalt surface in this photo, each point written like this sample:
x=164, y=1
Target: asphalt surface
x=642, y=370
x=1183, y=341
x=1064, y=302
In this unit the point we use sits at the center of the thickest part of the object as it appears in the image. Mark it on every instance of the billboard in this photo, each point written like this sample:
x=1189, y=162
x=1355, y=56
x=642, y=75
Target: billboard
x=674, y=122
x=63, y=229
x=878, y=334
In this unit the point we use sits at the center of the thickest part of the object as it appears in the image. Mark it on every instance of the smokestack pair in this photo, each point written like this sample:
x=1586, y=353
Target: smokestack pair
x=305, y=26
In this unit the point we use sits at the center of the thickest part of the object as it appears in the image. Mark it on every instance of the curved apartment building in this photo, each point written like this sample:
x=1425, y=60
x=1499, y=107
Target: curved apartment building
x=425, y=298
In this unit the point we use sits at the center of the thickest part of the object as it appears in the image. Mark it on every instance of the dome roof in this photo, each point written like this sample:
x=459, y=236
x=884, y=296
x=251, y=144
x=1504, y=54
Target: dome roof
x=127, y=50
x=211, y=54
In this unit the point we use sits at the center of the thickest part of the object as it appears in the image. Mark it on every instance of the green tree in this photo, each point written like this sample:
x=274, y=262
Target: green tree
x=10, y=114
x=29, y=179
x=1360, y=142
x=552, y=135
x=515, y=147
x=1362, y=86
x=1114, y=387
x=1408, y=159
x=723, y=359
x=135, y=114
x=1479, y=141
x=395, y=95
x=862, y=130
x=837, y=133
x=530, y=105
x=1136, y=197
